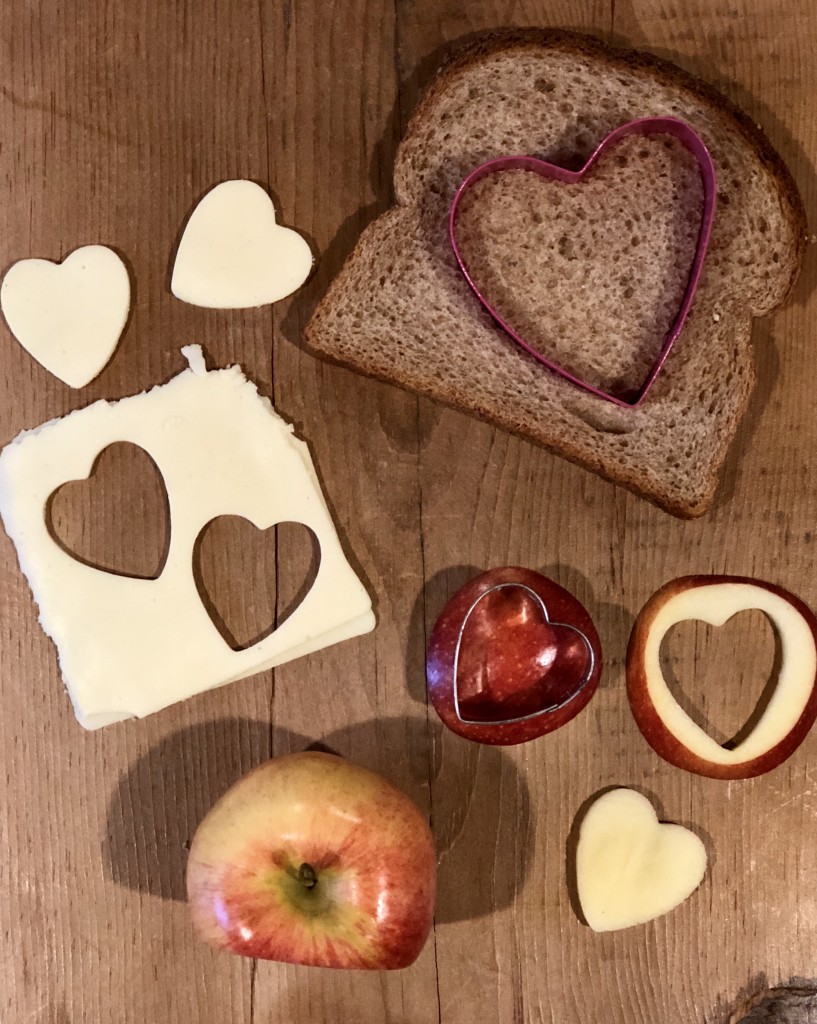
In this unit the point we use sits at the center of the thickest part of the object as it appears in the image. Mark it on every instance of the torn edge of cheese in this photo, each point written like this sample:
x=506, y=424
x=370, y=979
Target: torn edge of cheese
x=195, y=359
x=133, y=670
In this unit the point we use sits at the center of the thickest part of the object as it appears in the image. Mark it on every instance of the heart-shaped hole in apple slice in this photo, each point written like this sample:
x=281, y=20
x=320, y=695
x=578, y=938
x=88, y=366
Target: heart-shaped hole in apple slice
x=250, y=580
x=117, y=519
x=723, y=676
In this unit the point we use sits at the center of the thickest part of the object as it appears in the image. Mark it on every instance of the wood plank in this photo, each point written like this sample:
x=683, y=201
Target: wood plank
x=338, y=76
x=112, y=129
x=115, y=120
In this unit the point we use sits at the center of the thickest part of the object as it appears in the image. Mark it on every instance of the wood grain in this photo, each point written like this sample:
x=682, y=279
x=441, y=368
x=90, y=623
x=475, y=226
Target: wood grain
x=116, y=117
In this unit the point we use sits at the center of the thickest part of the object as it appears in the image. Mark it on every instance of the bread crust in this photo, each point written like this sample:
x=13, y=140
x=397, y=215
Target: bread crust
x=503, y=41
x=520, y=41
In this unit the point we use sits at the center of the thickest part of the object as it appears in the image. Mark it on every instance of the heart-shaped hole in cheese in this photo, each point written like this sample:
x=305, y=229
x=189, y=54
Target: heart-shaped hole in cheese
x=117, y=520
x=790, y=710
x=250, y=580
x=723, y=676
x=631, y=868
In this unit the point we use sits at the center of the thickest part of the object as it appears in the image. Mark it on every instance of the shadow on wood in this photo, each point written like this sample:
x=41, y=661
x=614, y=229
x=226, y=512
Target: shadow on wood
x=427, y=608
x=159, y=801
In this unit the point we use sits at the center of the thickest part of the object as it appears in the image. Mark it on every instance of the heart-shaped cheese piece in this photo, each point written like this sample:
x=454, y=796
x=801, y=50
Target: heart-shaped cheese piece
x=69, y=316
x=233, y=255
x=630, y=868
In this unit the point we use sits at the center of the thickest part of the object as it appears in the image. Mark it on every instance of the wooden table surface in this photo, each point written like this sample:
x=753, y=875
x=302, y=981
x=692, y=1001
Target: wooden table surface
x=116, y=117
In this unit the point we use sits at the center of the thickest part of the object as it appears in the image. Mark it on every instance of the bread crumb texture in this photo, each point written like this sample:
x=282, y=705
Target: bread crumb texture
x=591, y=273
x=541, y=252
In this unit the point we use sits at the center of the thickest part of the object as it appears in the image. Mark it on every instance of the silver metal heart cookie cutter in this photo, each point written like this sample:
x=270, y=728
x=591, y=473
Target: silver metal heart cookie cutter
x=549, y=708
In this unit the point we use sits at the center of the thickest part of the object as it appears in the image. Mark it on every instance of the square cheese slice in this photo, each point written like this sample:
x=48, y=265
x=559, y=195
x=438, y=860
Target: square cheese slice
x=128, y=647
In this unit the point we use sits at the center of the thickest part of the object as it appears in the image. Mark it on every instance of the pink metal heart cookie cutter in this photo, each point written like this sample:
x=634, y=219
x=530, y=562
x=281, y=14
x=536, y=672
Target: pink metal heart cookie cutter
x=643, y=126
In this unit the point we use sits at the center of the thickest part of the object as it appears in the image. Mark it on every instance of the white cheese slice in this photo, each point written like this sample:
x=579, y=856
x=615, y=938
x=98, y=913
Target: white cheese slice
x=128, y=647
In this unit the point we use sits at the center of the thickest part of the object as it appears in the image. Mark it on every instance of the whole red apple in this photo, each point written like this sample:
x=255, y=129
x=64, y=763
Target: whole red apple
x=512, y=656
x=309, y=859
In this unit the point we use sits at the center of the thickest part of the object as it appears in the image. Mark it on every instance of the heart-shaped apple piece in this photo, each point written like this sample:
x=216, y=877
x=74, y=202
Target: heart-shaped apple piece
x=630, y=868
x=512, y=656
x=536, y=666
x=233, y=254
x=789, y=714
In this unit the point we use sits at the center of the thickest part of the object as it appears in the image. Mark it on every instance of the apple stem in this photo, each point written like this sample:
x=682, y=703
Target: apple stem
x=307, y=876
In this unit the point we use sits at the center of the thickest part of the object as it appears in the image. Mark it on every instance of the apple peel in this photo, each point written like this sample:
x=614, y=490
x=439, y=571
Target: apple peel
x=546, y=619
x=631, y=868
x=790, y=712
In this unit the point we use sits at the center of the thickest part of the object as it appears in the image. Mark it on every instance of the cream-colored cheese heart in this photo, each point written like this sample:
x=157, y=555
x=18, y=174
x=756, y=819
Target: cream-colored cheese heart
x=233, y=255
x=629, y=867
x=69, y=316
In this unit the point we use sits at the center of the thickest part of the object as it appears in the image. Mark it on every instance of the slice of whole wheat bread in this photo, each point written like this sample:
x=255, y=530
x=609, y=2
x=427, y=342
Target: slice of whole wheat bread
x=590, y=272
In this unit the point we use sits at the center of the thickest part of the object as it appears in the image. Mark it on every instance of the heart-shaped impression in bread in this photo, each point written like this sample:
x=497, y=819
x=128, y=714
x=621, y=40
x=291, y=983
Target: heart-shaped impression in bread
x=233, y=254
x=69, y=316
x=572, y=265
x=631, y=868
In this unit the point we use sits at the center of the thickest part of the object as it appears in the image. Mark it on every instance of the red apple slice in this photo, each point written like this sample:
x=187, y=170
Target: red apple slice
x=312, y=860
x=793, y=706
x=512, y=656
